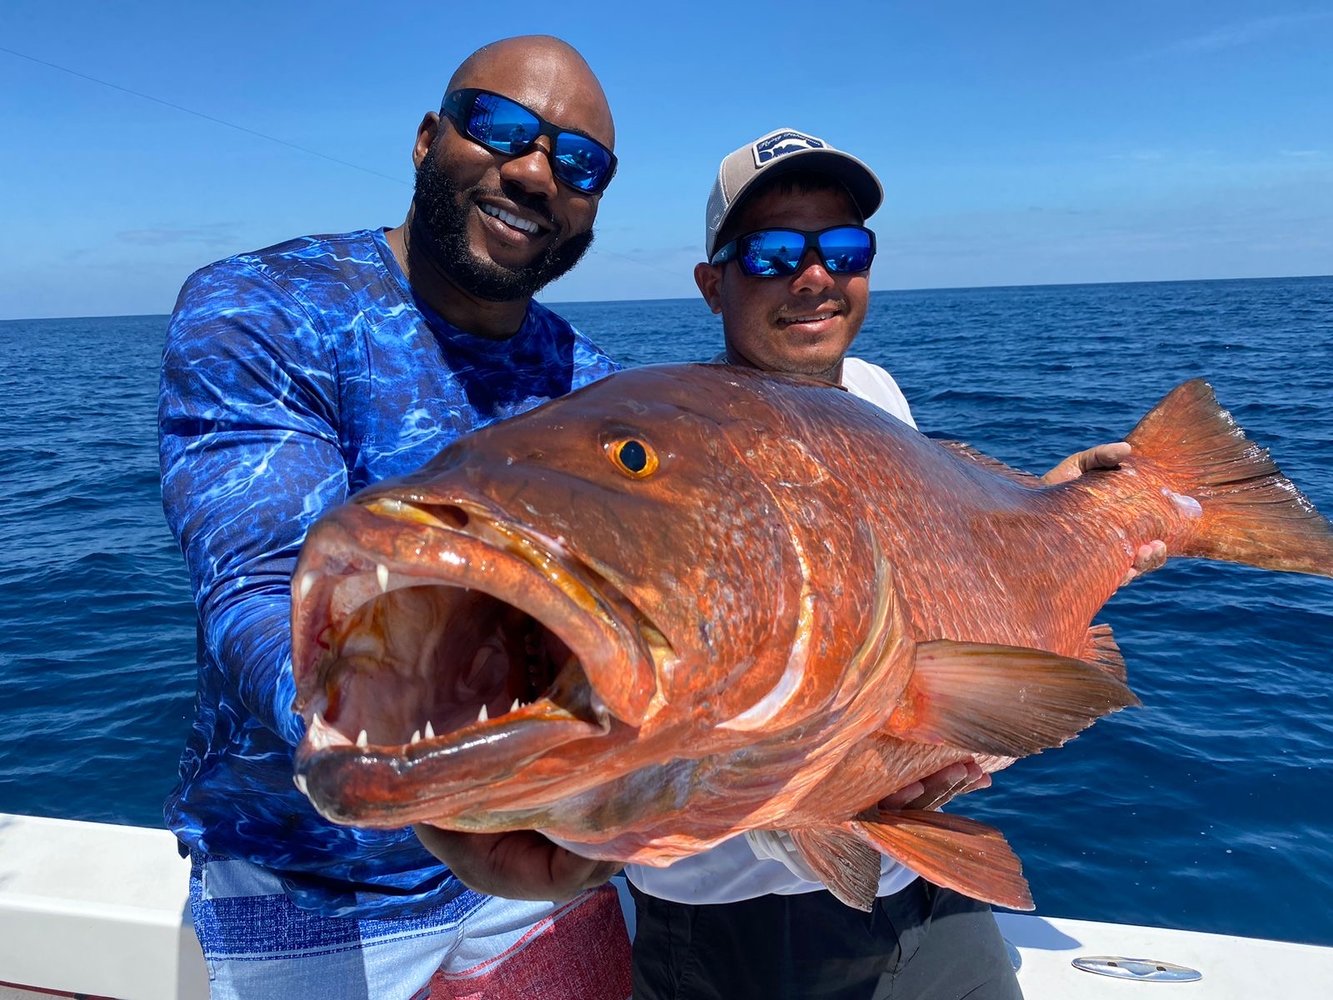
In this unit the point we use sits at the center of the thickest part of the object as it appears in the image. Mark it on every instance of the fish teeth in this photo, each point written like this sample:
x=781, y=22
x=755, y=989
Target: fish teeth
x=430, y=730
x=416, y=736
x=300, y=782
x=514, y=706
x=362, y=740
x=382, y=575
x=482, y=716
x=322, y=735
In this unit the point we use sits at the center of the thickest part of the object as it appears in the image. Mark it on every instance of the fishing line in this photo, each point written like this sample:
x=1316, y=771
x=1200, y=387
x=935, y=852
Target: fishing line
x=200, y=114
x=270, y=138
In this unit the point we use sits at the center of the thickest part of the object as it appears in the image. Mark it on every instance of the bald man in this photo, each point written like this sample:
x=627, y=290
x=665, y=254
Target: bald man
x=292, y=377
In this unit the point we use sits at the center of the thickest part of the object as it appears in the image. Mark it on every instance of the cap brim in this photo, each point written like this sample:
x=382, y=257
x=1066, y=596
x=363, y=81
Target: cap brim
x=859, y=180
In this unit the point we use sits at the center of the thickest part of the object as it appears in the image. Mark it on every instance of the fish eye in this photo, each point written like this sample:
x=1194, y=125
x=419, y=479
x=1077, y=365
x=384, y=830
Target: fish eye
x=633, y=457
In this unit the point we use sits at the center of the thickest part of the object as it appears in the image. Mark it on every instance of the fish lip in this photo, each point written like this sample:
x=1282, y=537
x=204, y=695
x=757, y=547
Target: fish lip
x=381, y=545
x=387, y=788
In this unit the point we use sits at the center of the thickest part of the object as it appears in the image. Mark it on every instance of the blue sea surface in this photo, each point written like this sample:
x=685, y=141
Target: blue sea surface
x=1209, y=808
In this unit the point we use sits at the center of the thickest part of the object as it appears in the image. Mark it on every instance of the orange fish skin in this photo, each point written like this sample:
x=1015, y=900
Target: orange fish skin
x=726, y=601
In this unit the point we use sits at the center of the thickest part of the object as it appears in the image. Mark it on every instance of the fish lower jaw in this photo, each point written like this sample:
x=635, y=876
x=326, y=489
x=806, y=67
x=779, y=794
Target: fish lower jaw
x=444, y=778
x=568, y=698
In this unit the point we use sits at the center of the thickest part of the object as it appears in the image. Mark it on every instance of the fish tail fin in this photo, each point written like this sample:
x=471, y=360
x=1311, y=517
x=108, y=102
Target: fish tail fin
x=951, y=851
x=1251, y=512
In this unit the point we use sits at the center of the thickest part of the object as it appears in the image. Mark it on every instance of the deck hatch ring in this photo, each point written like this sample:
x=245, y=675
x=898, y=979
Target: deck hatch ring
x=1145, y=970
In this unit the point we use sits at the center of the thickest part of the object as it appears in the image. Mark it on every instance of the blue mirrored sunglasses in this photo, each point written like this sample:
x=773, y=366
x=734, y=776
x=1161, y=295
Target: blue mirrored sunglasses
x=776, y=253
x=507, y=127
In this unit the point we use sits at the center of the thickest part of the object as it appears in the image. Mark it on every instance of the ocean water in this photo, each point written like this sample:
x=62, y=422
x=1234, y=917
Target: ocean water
x=1209, y=808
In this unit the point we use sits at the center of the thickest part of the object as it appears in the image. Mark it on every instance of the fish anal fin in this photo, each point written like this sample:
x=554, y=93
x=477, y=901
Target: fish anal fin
x=1009, y=701
x=951, y=851
x=845, y=863
x=1103, y=651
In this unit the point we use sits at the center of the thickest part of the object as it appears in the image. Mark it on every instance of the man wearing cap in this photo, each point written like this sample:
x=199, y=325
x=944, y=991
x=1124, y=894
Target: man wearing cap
x=788, y=271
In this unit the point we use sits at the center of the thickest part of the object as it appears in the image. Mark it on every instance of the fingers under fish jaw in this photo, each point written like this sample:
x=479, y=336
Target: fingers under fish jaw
x=424, y=664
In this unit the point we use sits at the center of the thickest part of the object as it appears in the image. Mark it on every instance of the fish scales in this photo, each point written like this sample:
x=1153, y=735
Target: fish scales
x=690, y=601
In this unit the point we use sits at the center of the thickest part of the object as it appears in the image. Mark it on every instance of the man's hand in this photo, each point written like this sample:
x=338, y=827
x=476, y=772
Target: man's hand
x=936, y=789
x=521, y=864
x=1104, y=456
x=1150, y=555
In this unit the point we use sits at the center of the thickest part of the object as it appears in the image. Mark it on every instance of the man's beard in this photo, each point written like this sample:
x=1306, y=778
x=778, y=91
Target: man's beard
x=439, y=229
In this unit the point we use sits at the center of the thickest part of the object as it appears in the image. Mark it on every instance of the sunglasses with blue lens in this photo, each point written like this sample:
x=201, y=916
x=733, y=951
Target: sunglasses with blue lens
x=777, y=253
x=507, y=127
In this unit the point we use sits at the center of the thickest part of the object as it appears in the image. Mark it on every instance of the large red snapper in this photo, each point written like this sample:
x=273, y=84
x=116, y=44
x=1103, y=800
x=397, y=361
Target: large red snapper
x=690, y=601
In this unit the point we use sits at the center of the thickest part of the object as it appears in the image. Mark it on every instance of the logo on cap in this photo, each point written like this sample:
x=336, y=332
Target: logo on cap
x=770, y=147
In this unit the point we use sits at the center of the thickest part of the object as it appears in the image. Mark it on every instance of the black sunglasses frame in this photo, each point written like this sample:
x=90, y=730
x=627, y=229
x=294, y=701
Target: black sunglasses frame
x=457, y=107
x=730, y=249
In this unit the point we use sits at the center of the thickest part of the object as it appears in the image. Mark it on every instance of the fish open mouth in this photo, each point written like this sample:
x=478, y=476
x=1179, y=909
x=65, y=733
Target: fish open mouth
x=437, y=649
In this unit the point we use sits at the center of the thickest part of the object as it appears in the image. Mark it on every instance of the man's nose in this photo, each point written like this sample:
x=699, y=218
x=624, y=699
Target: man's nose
x=531, y=169
x=811, y=274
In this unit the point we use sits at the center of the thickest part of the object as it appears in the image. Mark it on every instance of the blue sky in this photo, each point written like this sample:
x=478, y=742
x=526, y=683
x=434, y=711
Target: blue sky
x=1019, y=143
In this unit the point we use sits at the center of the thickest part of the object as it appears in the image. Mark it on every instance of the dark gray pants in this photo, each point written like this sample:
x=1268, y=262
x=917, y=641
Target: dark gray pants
x=924, y=943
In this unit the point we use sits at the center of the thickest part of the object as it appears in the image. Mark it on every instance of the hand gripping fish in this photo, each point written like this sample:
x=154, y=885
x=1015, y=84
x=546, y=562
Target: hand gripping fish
x=690, y=601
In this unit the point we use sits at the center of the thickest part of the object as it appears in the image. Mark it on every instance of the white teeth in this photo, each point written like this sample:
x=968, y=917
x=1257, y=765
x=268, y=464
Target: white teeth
x=382, y=575
x=599, y=709
x=361, y=740
x=300, y=782
x=482, y=716
x=514, y=706
x=322, y=736
x=307, y=582
x=416, y=736
x=430, y=730
x=510, y=219
x=318, y=732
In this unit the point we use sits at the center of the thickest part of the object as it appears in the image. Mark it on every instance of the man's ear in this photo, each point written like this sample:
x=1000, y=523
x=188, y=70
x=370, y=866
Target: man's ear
x=426, y=133
x=708, y=277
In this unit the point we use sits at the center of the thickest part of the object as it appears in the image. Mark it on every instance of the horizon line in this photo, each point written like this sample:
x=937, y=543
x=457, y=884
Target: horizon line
x=873, y=291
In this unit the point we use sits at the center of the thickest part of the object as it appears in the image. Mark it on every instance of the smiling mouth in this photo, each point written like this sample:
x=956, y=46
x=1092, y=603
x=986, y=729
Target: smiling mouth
x=808, y=318
x=405, y=664
x=512, y=220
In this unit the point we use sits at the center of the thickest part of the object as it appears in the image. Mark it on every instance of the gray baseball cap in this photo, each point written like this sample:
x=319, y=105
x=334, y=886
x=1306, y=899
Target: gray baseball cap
x=778, y=152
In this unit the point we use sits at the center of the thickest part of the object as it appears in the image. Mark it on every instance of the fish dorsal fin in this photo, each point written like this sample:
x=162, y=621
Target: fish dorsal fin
x=1103, y=651
x=844, y=863
x=1005, y=700
x=993, y=464
x=951, y=851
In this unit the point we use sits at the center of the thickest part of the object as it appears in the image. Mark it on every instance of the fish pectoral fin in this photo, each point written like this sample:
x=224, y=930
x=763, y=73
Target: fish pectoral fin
x=1010, y=701
x=843, y=862
x=951, y=851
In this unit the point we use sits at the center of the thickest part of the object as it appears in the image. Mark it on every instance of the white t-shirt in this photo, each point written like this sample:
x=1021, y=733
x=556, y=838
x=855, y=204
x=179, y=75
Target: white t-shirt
x=730, y=871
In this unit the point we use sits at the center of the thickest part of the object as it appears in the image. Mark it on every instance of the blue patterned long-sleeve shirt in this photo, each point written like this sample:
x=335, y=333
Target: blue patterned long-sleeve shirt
x=293, y=377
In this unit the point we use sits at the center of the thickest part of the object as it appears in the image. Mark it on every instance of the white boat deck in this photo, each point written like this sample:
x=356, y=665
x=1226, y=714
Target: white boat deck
x=94, y=910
